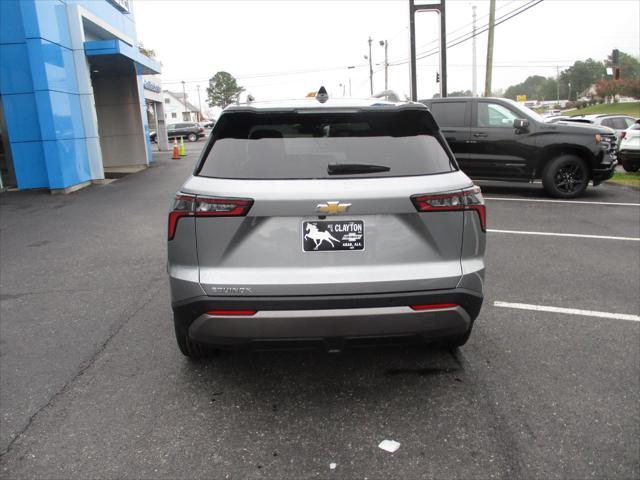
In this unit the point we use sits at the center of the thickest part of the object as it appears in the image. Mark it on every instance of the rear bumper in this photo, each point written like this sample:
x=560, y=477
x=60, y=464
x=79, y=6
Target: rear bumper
x=327, y=319
x=632, y=156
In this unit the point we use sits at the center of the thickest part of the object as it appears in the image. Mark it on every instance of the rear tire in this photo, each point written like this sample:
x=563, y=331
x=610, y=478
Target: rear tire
x=192, y=137
x=630, y=167
x=566, y=176
x=189, y=348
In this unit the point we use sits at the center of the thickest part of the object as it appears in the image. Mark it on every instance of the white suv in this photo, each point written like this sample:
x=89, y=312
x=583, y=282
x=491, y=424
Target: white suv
x=325, y=222
x=629, y=150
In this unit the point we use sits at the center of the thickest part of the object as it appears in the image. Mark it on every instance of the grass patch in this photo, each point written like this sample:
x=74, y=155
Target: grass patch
x=631, y=108
x=626, y=178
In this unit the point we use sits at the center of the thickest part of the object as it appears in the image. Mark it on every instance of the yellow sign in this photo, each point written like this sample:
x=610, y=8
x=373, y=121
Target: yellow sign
x=521, y=98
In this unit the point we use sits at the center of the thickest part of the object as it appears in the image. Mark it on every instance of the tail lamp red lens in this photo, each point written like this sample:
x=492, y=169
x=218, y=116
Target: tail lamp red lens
x=433, y=306
x=195, y=206
x=468, y=199
x=622, y=135
x=232, y=312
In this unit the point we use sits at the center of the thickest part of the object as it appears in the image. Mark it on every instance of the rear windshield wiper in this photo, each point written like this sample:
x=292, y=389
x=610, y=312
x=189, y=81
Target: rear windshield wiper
x=351, y=168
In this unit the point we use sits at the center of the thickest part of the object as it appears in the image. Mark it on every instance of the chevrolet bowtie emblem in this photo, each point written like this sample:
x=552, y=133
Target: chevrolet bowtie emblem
x=332, y=207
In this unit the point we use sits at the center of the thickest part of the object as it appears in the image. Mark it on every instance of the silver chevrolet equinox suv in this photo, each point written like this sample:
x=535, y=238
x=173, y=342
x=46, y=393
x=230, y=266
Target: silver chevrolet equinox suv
x=325, y=222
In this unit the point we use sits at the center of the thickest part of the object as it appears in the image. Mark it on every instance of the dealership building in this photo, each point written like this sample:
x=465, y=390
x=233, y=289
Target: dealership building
x=73, y=102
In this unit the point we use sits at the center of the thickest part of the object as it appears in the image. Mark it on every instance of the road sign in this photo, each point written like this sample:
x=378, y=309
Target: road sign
x=521, y=98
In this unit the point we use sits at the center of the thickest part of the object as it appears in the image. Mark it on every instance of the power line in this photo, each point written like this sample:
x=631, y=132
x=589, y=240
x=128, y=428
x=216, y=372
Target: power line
x=469, y=35
x=456, y=41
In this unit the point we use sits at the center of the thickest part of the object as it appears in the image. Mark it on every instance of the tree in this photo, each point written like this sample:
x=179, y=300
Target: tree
x=149, y=52
x=536, y=87
x=223, y=90
x=460, y=93
x=581, y=75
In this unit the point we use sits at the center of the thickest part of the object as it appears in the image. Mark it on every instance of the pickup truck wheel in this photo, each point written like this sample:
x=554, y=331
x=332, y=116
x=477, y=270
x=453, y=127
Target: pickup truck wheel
x=630, y=167
x=566, y=176
x=192, y=137
x=188, y=347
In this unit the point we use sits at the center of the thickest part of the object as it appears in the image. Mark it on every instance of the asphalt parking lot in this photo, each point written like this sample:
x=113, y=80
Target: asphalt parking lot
x=93, y=386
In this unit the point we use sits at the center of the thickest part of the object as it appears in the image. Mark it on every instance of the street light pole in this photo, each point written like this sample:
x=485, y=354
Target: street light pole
x=199, y=104
x=350, y=68
x=385, y=44
x=370, y=69
x=184, y=101
x=474, y=74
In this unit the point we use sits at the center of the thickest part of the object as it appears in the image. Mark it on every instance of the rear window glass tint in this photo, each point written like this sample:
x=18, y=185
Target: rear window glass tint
x=449, y=114
x=304, y=145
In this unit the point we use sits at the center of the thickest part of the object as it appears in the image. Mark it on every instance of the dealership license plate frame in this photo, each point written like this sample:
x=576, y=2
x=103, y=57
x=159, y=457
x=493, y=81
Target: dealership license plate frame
x=323, y=247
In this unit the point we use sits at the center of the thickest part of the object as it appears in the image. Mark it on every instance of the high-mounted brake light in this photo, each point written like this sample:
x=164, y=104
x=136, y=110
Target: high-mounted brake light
x=468, y=199
x=195, y=206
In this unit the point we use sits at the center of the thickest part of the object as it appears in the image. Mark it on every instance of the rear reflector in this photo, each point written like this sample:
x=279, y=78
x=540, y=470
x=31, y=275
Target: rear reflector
x=195, y=206
x=468, y=199
x=433, y=306
x=231, y=312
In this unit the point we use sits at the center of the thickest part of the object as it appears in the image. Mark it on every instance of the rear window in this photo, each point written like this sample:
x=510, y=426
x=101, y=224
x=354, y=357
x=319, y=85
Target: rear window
x=311, y=145
x=449, y=114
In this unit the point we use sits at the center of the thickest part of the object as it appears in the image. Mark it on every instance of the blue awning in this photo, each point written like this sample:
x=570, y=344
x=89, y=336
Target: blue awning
x=115, y=57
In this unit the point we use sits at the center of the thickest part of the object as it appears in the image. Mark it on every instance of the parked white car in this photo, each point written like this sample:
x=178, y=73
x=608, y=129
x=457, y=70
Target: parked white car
x=629, y=149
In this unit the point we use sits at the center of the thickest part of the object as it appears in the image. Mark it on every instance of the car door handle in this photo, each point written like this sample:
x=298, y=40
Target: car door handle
x=480, y=135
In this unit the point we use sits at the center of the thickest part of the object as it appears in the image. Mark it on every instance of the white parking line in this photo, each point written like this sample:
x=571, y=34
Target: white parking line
x=569, y=311
x=542, y=200
x=577, y=235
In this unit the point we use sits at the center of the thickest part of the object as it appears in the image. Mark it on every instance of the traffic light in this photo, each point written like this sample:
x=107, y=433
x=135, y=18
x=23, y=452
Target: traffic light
x=437, y=77
x=615, y=57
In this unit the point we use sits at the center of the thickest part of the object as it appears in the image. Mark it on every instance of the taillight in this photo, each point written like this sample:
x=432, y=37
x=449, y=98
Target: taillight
x=201, y=130
x=433, y=306
x=195, y=206
x=468, y=199
x=622, y=135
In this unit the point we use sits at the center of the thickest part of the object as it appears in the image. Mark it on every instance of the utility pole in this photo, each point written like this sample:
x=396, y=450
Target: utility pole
x=492, y=21
x=474, y=82
x=557, y=84
x=370, y=69
x=385, y=44
x=184, y=101
x=199, y=104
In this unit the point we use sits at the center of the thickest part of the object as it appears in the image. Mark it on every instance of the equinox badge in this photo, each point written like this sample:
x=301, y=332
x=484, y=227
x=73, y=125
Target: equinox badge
x=332, y=207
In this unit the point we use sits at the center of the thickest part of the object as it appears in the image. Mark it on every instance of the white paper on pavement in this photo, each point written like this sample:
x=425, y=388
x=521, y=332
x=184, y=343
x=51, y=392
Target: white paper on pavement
x=389, y=445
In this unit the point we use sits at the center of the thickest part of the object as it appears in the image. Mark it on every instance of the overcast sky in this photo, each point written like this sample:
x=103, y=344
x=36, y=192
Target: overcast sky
x=284, y=49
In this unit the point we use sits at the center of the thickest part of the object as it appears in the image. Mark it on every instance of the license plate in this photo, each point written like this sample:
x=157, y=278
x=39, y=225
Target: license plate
x=331, y=235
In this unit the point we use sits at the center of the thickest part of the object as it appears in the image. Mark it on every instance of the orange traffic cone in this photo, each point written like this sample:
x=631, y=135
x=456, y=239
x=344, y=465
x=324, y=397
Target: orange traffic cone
x=176, y=150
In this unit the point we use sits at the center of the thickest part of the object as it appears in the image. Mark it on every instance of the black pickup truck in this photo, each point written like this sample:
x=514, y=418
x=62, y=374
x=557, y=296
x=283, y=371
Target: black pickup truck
x=499, y=139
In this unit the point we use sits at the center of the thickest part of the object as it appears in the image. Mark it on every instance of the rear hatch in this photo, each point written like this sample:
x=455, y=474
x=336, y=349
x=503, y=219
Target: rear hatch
x=327, y=203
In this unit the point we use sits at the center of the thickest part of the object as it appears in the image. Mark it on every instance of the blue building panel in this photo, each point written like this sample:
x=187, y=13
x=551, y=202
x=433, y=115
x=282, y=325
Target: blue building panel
x=11, y=30
x=66, y=162
x=29, y=164
x=21, y=116
x=52, y=66
x=15, y=70
x=46, y=19
x=60, y=115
